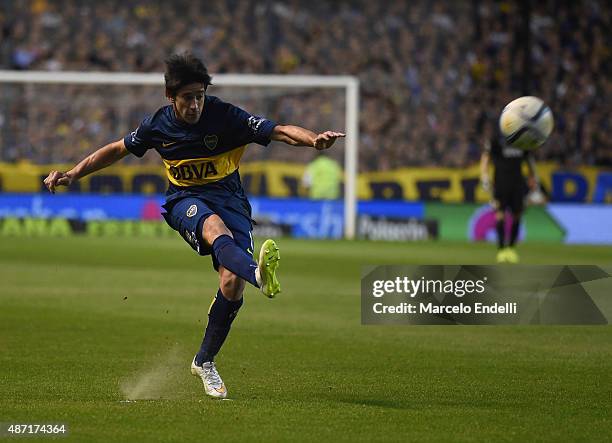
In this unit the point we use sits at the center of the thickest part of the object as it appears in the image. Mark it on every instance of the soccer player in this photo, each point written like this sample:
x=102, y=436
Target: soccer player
x=509, y=189
x=201, y=140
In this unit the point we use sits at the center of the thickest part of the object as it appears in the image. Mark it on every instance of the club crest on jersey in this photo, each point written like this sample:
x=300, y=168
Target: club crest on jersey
x=210, y=141
x=193, y=210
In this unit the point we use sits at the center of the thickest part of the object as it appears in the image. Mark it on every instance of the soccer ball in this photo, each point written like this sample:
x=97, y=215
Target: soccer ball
x=526, y=122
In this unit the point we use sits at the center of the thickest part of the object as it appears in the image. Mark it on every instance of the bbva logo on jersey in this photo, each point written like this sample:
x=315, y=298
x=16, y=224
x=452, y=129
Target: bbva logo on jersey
x=197, y=171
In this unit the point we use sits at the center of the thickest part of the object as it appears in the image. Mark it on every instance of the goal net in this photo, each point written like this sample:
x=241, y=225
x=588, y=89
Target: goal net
x=59, y=117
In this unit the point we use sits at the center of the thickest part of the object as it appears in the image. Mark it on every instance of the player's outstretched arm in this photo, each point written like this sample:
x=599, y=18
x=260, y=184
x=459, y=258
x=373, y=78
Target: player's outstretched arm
x=103, y=157
x=297, y=136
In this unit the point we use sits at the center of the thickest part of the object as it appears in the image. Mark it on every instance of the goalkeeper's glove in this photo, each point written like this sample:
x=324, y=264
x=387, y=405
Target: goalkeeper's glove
x=485, y=183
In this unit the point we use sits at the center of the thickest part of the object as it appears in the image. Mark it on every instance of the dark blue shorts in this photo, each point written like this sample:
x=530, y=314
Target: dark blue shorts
x=187, y=216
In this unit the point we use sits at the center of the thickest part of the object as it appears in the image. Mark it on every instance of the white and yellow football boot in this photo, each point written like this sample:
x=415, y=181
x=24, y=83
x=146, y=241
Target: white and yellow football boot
x=213, y=385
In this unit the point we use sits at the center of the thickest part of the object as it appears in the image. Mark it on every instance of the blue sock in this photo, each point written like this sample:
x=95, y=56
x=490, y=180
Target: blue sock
x=231, y=257
x=220, y=317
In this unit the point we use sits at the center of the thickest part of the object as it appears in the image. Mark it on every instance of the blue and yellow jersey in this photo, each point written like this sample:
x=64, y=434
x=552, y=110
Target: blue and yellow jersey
x=201, y=158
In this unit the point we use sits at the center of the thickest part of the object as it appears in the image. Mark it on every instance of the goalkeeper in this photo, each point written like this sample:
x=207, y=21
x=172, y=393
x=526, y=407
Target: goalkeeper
x=509, y=190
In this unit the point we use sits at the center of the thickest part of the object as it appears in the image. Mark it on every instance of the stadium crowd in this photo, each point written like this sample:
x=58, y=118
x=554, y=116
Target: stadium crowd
x=434, y=74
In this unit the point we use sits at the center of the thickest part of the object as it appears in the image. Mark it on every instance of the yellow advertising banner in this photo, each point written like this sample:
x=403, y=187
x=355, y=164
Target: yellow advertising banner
x=276, y=179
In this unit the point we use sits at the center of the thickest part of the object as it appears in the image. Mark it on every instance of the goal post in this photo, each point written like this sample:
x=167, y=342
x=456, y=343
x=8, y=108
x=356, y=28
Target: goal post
x=350, y=84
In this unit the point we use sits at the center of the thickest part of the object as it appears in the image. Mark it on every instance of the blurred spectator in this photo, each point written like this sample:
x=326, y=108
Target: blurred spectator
x=431, y=71
x=322, y=178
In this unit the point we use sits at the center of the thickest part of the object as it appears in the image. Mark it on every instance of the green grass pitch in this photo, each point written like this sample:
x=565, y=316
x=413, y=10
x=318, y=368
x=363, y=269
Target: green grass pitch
x=88, y=323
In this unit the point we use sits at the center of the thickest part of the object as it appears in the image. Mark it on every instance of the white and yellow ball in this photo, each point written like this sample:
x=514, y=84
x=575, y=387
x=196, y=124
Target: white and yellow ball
x=526, y=122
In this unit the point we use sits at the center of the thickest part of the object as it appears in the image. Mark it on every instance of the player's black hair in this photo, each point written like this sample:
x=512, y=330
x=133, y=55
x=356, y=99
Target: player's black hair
x=184, y=69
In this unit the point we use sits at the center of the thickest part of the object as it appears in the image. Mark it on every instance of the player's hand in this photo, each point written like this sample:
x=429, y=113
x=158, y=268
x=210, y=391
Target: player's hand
x=533, y=183
x=485, y=183
x=326, y=139
x=57, y=178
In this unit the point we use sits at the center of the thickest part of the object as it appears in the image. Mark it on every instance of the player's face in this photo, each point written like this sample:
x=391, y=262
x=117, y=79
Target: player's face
x=189, y=103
